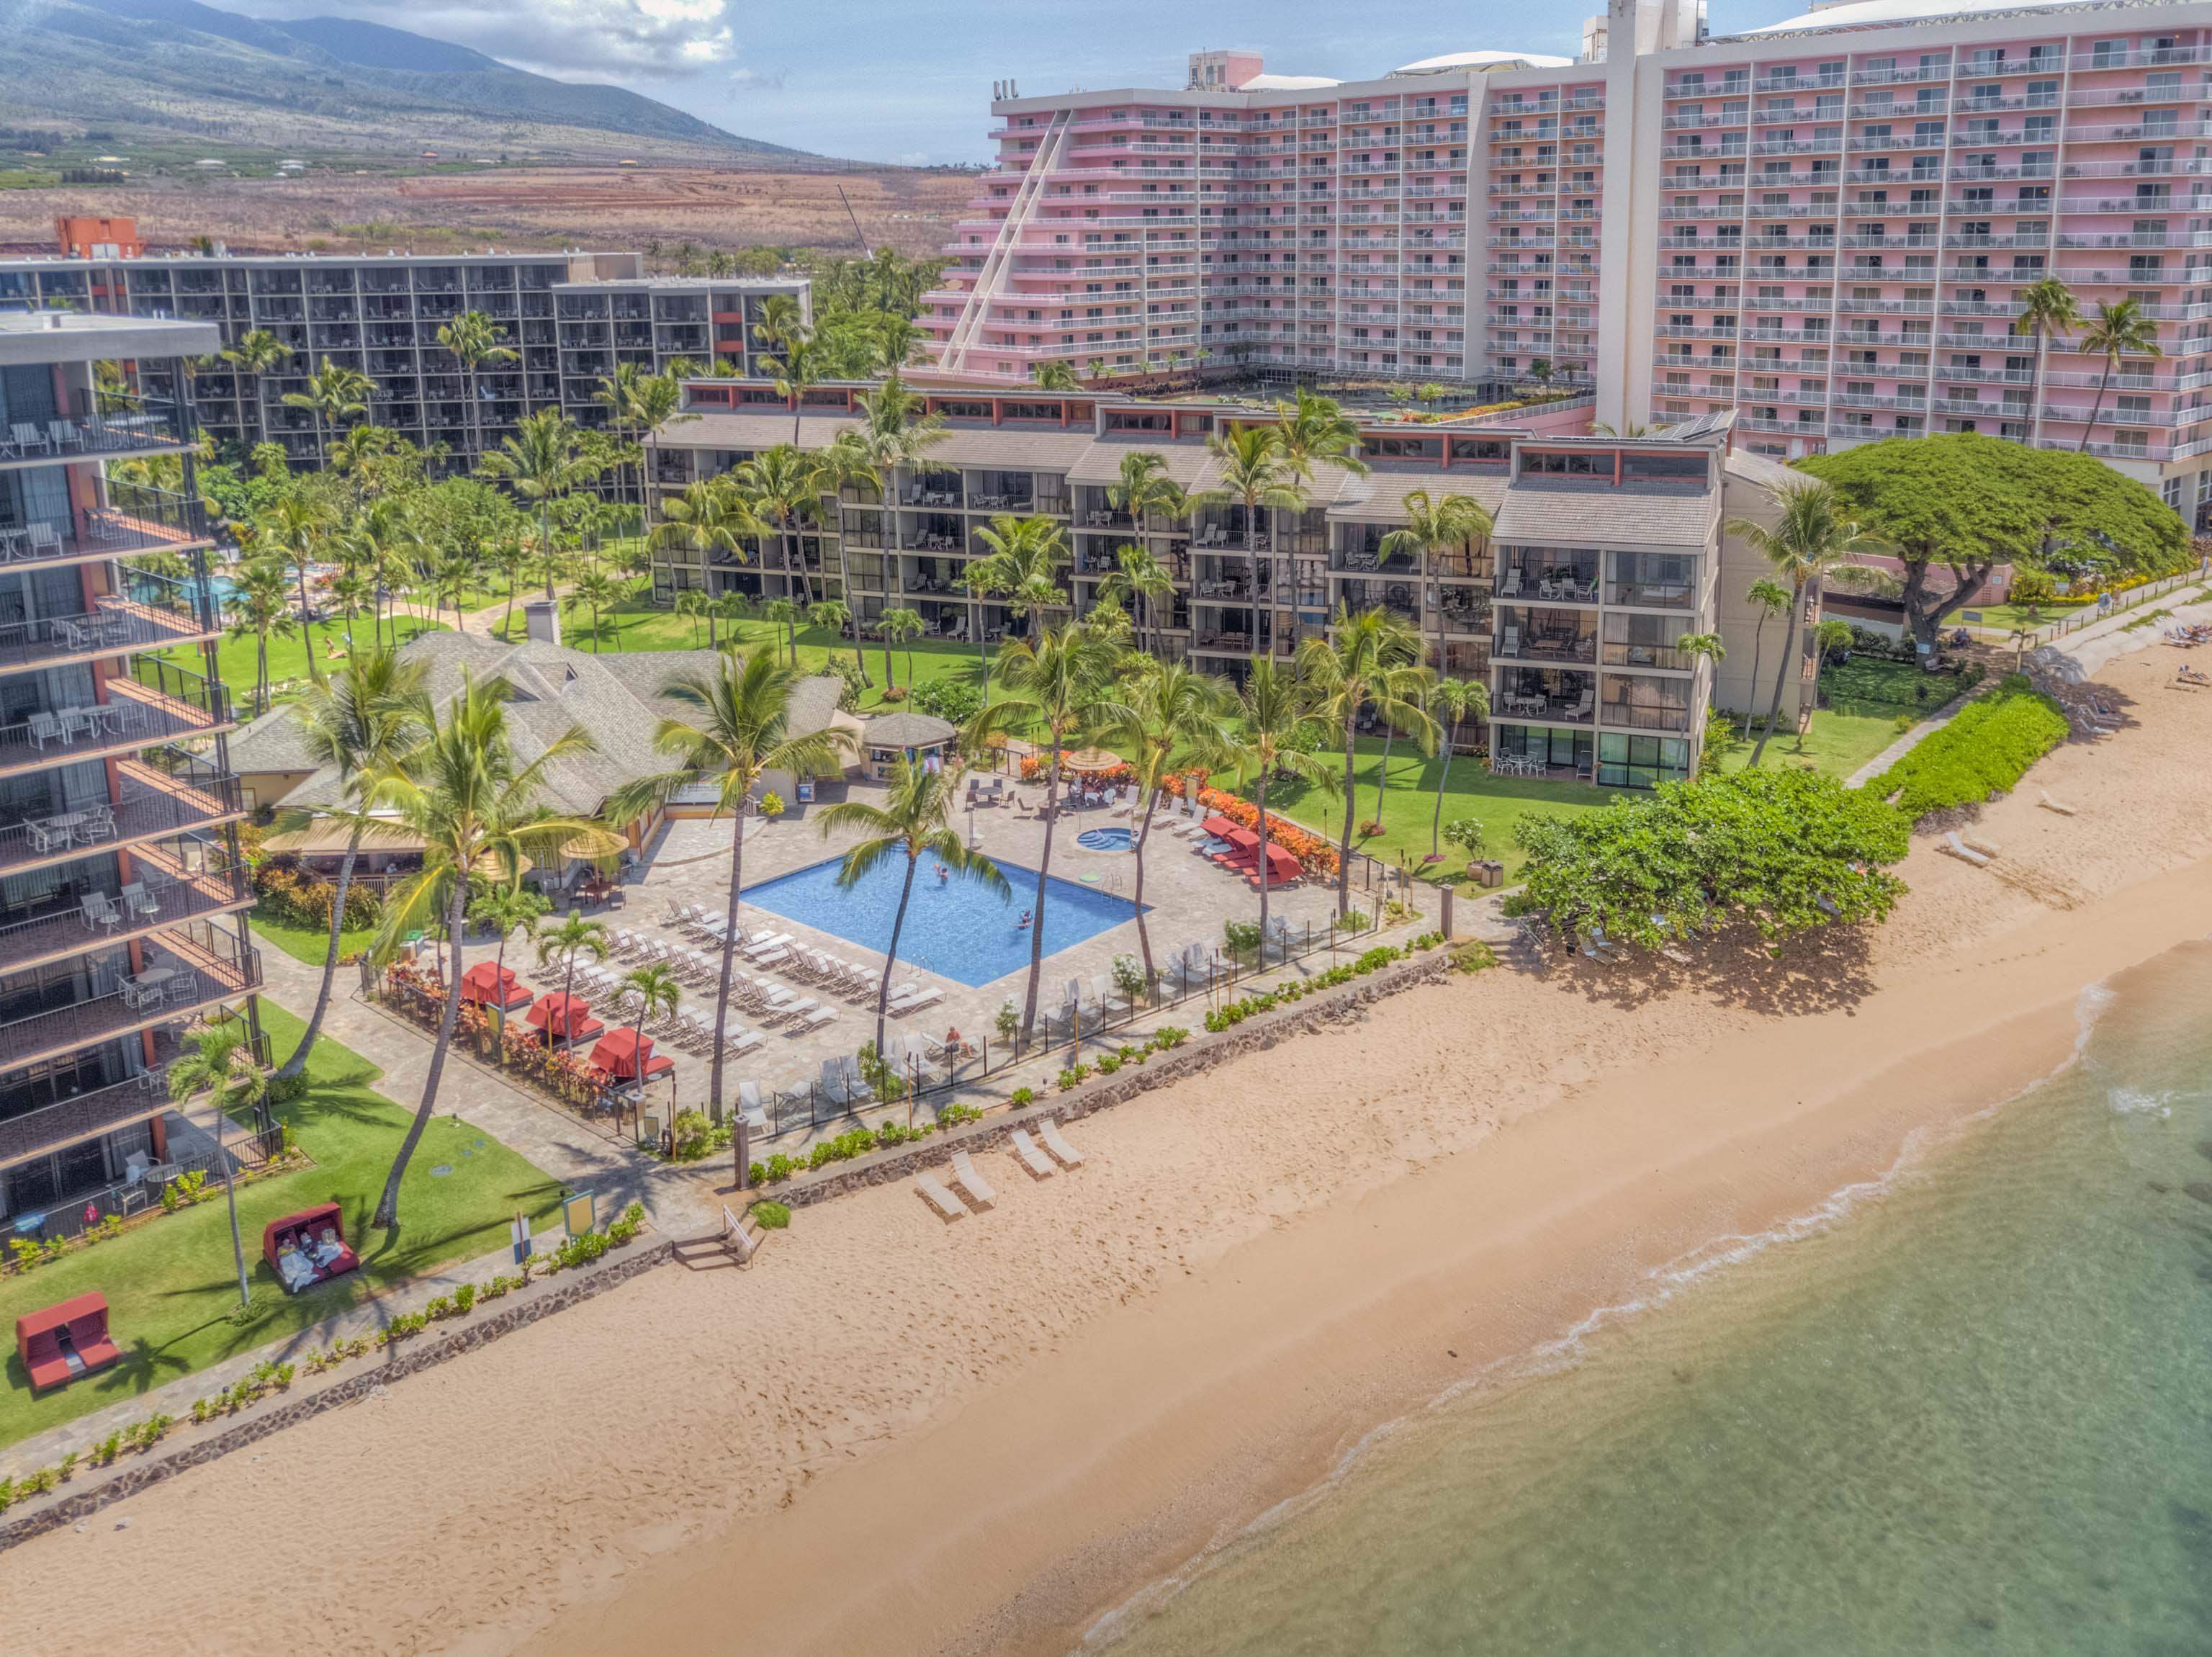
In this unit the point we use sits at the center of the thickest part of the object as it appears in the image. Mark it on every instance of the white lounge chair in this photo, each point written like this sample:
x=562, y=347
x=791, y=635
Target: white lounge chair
x=750, y=1106
x=924, y=999
x=948, y=1207
x=1027, y=1153
x=820, y=1016
x=772, y=957
x=738, y=1043
x=977, y=1188
x=761, y=946
x=1048, y=1131
x=1963, y=852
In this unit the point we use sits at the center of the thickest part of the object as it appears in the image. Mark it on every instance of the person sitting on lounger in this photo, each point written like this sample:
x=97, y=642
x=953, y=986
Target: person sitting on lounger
x=295, y=1267
x=327, y=1247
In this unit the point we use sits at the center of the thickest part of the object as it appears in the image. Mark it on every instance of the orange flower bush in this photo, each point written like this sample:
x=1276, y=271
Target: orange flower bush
x=1315, y=855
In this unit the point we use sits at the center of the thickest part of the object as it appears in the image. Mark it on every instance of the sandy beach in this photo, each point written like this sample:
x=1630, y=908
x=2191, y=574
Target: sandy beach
x=892, y=1435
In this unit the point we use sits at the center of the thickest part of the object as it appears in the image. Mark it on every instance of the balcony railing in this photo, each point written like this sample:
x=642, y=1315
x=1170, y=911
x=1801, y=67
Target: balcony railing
x=66, y=1121
x=158, y=703
x=1651, y=595
x=163, y=900
x=162, y=792
x=188, y=968
x=159, y=613
x=82, y=428
x=1645, y=715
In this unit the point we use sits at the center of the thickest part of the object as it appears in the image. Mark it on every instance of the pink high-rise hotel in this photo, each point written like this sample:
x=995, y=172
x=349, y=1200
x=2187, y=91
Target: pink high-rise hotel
x=1823, y=225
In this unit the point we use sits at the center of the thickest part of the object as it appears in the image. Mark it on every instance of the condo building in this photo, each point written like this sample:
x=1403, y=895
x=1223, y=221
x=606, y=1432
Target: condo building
x=122, y=893
x=1605, y=551
x=570, y=319
x=1823, y=226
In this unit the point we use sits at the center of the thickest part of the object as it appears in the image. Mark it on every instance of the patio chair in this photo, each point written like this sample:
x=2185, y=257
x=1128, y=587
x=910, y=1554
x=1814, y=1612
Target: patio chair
x=948, y=1206
x=762, y=946
x=98, y=909
x=972, y=1185
x=750, y=1106
x=1048, y=1131
x=923, y=998
x=45, y=540
x=736, y=1044
x=1026, y=1153
x=1106, y=994
x=44, y=728
x=819, y=1017
x=28, y=438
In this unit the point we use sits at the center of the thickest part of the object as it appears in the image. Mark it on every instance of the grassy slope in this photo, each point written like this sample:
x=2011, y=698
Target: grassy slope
x=170, y=1280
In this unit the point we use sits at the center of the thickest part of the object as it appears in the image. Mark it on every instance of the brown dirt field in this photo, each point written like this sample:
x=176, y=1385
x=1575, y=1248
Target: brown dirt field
x=521, y=207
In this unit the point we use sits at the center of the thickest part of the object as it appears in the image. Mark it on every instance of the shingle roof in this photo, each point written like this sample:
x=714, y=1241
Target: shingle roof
x=273, y=742
x=906, y=730
x=1186, y=461
x=1759, y=469
x=749, y=429
x=1008, y=450
x=1380, y=496
x=1570, y=513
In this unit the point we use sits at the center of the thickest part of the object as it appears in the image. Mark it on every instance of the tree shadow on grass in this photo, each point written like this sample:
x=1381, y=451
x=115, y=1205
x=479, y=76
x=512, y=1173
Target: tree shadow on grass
x=1828, y=972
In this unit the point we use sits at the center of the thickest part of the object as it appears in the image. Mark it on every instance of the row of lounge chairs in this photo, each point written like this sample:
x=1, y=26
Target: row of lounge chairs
x=1041, y=1161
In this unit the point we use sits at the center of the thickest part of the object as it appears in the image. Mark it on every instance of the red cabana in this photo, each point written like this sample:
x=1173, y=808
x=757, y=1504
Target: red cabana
x=1219, y=827
x=621, y=1054
x=65, y=1340
x=490, y=985
x=1243, y=849
x=564, y=1018
x=1282, y=868
x=307, y=1247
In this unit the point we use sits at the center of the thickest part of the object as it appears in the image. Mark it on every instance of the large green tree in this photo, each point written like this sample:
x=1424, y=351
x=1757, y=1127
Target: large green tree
x=1964, y=504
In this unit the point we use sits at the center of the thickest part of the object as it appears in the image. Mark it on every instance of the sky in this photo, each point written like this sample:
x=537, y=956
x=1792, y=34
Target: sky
x=882, y=80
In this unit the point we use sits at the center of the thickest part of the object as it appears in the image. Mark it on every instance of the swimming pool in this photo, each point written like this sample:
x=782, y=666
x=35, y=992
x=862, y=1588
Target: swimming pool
x=1107, y=839
x=954, y=928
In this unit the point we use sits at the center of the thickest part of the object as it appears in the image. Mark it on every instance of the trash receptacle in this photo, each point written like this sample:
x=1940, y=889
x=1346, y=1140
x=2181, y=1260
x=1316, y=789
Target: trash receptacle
x=1493, y=873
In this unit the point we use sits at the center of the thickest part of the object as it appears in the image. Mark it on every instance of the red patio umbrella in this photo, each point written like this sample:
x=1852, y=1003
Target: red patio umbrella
x=490, y=985
x=623, y=1053
x=1282, y=866
x=1219, y=827
x=564, y=1018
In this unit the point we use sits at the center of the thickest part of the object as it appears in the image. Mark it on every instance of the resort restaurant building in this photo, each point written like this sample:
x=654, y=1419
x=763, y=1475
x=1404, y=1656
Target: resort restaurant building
x=122, y=893
x=570, y=318
x=1823, y=225
x=1607, y=551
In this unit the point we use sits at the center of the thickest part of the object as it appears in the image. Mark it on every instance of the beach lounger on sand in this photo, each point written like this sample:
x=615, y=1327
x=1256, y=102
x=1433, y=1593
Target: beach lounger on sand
x=1048, y=1131
x=1027, y=1153
x=947, y=1206
x=1963, y=852
x=2049, y=804
x=977, y=1188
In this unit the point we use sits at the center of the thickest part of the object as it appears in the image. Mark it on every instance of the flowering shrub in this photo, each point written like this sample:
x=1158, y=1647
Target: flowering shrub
x=1315, y=855
x=1034, y=767
x=290, y=895
x=564, y=1075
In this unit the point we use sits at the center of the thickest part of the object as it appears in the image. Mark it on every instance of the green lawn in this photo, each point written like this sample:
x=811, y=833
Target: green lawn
x=1409, y=802
x=312, y=945
x=170, y=1281
x=1866, y=696
x=287, y=657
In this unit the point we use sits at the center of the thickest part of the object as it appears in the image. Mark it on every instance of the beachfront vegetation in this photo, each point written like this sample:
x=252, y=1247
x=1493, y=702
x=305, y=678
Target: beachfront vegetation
x=1782, y=852
x=1964, y=504
x=1984, y=750
x=1368, y=665
x=169, y=1278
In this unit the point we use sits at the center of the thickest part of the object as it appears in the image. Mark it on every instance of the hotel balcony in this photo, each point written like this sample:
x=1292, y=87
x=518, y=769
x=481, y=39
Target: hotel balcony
x=160, y=702
x=1552, y=696
x=81, y=428
x=156, y=617
x=136, y=519
x=188, y=969
x=162, y=794
x=1537, y=635
x=84, y=1116
x=1647, y=704
x=170, y=889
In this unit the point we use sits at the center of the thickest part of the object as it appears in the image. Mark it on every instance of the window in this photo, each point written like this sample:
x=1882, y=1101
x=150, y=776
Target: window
x=1640, y=762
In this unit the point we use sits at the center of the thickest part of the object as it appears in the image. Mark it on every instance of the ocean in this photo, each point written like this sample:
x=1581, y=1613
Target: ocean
x=1967, y=1408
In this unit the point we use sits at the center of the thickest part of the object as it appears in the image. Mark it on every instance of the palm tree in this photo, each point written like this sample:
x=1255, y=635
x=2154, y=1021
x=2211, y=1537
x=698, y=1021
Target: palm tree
x=1145, y=580
x=337, y=396
x=542, y=462
x=1180, y=717
x=834, y=615
x=1057, y=688
x=800, y=366
x=502, y=911
x=258, y=607
x=1702, y=647
x=1024, y=566
x=1431, y=529
x=743, y=705
x=1255, y=473
x=221, y=1058
x=780, y=319
x=474, y=806
x=617, y=395
x=784, y=613
x=782, y=487
x=1317, y=428
x=728, y=609
x=351, y=591
x=2047, y=309
x=1811, y=538
x=896, y=431
x=257, y=354
x=363, y=724
x=1370, y=661
x=706, y=518
x=1769, y=598
x=295, y=525
x=596, y=590
x=1054, y=376
x=652, y=992
x=1270, y=705
x=568, y=941
x=475, y=340
x=2118, y=330
x=916, y=819
x=692, y=602
x=901, y=626
x=1457, y=700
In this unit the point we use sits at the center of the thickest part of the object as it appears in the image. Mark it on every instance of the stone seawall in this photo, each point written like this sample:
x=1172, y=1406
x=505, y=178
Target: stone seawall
x=1194, y=1057
x=130, y=1474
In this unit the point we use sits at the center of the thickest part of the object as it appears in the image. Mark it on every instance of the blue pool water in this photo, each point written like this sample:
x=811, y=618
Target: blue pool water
x=955, y=929
x=1107, y=839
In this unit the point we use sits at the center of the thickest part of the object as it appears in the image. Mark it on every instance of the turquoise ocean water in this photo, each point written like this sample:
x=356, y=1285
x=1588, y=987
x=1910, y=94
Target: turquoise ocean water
x=1968, y=1409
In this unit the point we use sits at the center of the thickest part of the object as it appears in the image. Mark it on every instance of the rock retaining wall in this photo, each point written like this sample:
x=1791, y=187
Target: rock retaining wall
x=132, y=1474
x=1195, y=1058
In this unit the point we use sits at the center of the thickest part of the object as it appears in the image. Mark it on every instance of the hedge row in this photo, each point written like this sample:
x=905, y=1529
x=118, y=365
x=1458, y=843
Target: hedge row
x=1982, y=752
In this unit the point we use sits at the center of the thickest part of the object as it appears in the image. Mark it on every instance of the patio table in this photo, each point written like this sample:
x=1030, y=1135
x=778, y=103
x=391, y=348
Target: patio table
x=147, y=988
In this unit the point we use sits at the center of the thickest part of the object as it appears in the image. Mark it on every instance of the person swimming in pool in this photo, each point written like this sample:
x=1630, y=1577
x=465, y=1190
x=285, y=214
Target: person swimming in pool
x=1023, y=924
x=943, y=874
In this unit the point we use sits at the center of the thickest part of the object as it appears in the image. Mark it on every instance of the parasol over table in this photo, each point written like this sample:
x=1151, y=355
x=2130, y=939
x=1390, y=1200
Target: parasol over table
x=1090, y=759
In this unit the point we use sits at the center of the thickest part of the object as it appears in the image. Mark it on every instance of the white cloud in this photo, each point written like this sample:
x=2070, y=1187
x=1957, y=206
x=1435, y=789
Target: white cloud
x=574, y=39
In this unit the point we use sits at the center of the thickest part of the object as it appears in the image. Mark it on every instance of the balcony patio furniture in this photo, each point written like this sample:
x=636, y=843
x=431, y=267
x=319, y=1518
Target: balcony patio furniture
x=65, y=434
x=46, y=541
x=147, y=988
x=28, y=439
x=48, y=836
x=138, y=901
x=44, y=728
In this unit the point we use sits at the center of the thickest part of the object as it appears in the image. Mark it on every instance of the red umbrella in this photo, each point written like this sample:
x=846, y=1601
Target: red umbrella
x=564, y=1018
x=621, y=1052
x=1247, y=839
x=1219, y=827
x=1282, y=865
x=490, y=985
